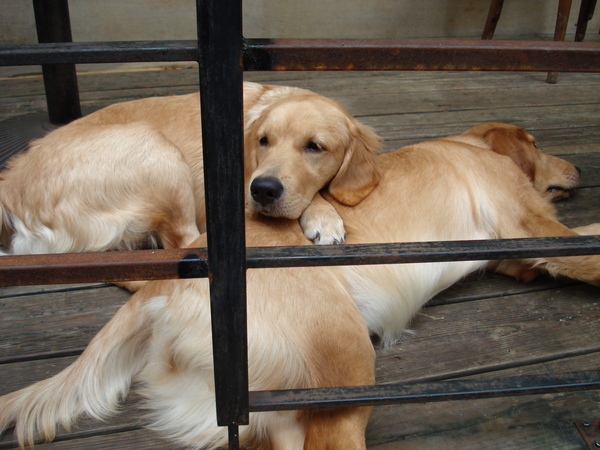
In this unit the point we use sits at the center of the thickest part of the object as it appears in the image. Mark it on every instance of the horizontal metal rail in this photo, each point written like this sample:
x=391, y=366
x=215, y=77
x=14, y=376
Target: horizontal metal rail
x=388, y=394
x=332, y=54
x=98, y=52
x=420, y=54
x=192, y=263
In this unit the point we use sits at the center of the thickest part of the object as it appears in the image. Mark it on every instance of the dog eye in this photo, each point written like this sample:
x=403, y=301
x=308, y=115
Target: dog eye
x=312, y=146
x=263, y=141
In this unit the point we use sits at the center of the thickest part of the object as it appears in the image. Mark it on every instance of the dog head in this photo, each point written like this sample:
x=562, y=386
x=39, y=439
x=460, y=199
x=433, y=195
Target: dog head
x=301, y=143
x=552, y=176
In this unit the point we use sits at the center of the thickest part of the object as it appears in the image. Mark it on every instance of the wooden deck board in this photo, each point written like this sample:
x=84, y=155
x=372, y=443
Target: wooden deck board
x=485, y=326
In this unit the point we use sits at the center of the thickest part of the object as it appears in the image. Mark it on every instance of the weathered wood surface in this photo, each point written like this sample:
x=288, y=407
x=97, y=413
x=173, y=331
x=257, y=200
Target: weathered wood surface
x=485, y=326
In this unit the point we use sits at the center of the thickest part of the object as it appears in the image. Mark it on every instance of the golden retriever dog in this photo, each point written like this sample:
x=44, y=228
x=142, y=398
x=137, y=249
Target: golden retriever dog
x=553, y=176
x=306, y=325
x=131, y=175
x=304, y=331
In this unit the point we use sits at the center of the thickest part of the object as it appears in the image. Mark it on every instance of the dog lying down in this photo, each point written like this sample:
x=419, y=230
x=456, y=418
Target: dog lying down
x=131, y=175
x=306, y=325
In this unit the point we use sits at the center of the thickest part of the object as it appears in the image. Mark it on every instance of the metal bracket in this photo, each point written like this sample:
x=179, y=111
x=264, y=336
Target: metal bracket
x=193, y=265
x=589, y=430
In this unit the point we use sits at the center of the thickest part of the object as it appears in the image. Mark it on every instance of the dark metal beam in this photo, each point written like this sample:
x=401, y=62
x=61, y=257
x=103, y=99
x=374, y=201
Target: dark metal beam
x=98, y=52
x=389, y=394
x=221, y=77
x=53, y=24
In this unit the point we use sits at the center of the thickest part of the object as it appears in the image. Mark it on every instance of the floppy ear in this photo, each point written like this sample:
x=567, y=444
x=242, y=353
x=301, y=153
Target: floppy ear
x=516, y=145
x=359, y=173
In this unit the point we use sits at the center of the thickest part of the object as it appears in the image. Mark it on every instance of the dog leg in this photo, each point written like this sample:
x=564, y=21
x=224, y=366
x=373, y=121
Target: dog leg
x=583, y=268
x=514, y=268
x=285, y=430
x=588, y=230
x=321, y=223
x=337, y=429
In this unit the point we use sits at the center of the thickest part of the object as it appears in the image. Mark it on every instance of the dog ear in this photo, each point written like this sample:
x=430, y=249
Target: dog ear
x=517, y=144
x=359, y=174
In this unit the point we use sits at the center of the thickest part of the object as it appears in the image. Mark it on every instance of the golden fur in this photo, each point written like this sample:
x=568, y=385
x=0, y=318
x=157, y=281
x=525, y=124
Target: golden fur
x=301, y=334
x=305, y=329
x=553, y=176
x=131, y=175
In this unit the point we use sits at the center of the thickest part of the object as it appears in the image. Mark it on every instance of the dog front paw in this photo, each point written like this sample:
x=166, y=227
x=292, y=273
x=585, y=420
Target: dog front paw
x=321, y=223
x=324, y=232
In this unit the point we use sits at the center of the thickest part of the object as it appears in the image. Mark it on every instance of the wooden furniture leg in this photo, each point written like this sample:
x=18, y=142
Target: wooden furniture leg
x=562, y=18
x=586, y=12
x=492, y=19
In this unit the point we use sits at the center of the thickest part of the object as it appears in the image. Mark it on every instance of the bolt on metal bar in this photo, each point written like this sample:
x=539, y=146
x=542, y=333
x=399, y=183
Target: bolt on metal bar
x=221, y=76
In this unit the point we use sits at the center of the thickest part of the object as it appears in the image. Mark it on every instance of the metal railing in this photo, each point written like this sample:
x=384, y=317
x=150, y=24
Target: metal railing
x=223, y=54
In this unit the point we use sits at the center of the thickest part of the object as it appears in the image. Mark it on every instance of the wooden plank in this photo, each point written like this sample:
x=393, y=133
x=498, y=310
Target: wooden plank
x=361, y=93
x=480, y=286
x=14, y=291
x=142, y=439
x=419, y=125
x=582, y=210
x=533, y=422
x=54, y=322
x=509, y=423
x=493, y=334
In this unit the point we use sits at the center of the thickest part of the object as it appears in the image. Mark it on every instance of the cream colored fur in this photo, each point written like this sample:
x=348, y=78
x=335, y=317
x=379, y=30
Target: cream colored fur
x=305, y=325
x=450, y=189
x=301, y=334
x=131, y=175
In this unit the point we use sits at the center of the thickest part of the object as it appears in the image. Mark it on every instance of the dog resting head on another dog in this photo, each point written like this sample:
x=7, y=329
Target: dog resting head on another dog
x=132, y=173
x=302, y=142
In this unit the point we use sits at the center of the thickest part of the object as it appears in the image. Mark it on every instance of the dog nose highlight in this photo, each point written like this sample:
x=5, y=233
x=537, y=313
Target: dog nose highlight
x=266, y=190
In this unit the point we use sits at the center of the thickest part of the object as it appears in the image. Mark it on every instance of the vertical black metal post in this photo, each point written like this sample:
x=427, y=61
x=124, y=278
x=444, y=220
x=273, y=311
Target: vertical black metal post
x=53, y=24
x=221, y=76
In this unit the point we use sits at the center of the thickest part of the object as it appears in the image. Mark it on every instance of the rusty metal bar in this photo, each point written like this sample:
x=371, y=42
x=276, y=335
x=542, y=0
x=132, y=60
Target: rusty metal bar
x=420, y=54
x=333, y=54
x=22, y=270
x=192, y=263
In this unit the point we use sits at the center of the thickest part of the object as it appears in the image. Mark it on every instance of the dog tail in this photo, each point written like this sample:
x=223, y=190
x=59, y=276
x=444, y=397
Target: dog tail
x=93, y=384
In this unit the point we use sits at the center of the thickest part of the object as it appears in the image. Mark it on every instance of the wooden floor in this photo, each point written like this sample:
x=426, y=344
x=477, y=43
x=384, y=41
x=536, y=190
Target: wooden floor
x=486, y=326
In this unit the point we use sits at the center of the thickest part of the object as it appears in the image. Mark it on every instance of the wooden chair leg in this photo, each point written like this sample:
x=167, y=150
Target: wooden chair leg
x=562, y=19
x=586, y=12
x=492, y=19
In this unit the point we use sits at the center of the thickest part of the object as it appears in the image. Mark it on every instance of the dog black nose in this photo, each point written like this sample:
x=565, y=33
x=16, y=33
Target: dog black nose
x=266, y=190
x=578, y=170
